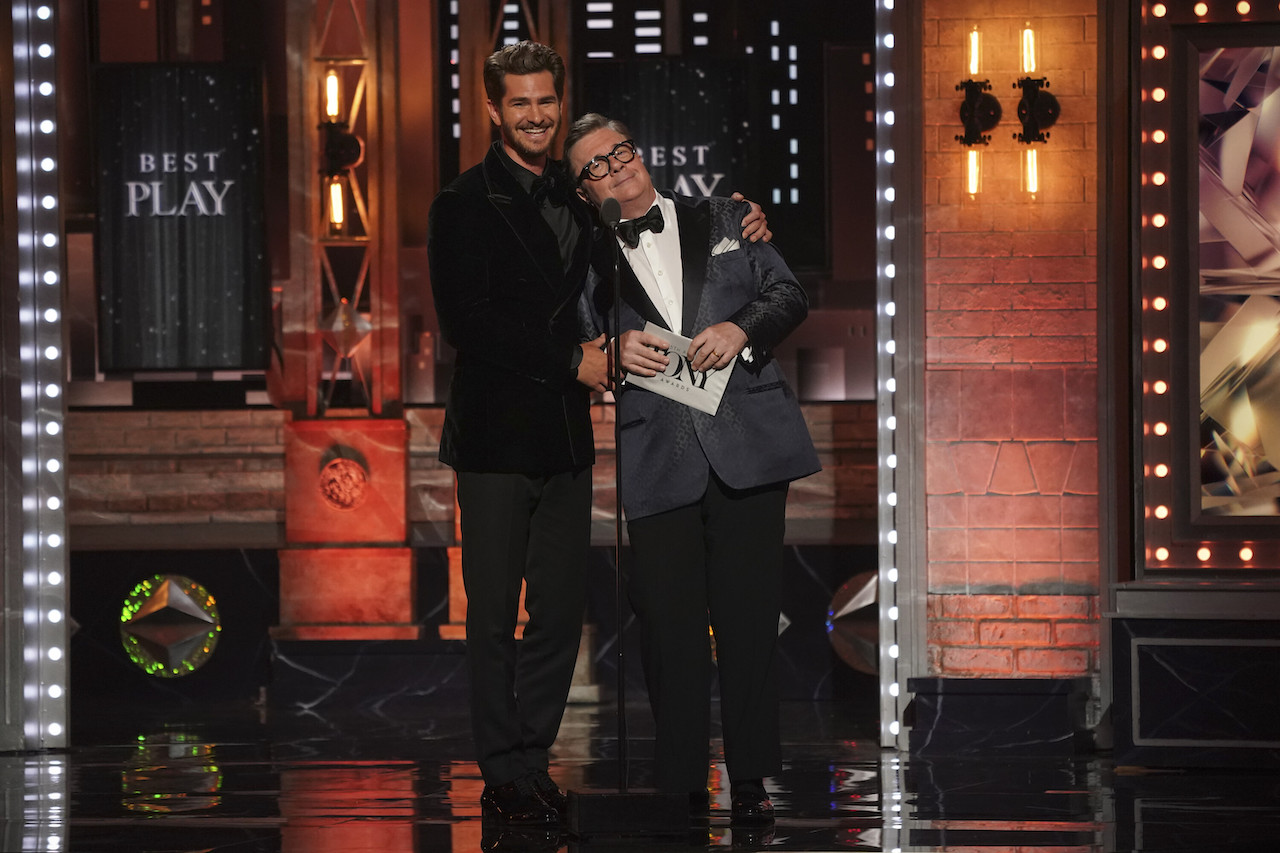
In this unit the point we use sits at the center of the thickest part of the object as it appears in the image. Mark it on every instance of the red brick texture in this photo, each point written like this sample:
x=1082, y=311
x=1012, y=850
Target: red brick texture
x=1011, y=349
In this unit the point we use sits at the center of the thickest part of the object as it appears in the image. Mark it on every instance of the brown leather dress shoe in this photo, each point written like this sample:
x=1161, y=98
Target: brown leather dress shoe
x=517, y=803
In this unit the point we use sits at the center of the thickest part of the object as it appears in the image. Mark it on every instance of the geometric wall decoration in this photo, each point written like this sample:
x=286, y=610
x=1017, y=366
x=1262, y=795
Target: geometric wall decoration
x=169, y=626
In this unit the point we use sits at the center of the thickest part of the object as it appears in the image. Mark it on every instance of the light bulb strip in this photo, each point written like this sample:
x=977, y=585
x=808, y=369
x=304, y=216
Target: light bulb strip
x=898, y=384
x=42, y=368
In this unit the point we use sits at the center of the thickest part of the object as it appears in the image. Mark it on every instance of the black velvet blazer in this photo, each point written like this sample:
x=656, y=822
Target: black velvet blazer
x=507, y=304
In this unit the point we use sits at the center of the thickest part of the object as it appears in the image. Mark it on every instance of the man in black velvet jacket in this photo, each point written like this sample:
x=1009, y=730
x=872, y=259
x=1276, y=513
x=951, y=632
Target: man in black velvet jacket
x=508, y=256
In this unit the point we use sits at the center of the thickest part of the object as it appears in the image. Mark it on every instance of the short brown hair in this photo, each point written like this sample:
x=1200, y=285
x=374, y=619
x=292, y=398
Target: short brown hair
x=525, y=57
x=590, y=123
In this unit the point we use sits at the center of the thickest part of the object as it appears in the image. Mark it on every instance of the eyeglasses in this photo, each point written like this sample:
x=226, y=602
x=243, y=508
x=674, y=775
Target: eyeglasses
x=598, y=167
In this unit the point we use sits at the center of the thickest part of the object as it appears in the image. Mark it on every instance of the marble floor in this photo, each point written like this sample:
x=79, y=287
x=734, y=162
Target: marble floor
x=249, y=779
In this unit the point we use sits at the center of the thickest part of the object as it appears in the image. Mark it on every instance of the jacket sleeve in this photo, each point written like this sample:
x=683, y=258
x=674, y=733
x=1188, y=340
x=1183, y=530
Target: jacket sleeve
x=779, y=307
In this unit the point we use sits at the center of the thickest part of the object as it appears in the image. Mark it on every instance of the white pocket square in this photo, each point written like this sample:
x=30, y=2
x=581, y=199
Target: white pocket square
x=725, y=245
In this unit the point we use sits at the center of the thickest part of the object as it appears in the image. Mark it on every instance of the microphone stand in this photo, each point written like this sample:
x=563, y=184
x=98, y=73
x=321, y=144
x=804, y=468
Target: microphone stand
x=625, y=813
x=611, y=215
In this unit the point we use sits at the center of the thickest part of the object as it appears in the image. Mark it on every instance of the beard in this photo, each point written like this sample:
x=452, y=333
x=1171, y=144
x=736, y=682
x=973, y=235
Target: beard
x=530, y=150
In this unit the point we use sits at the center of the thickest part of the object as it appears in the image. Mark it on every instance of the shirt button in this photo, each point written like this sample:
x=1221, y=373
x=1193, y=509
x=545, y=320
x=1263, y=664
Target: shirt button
x=659, y=272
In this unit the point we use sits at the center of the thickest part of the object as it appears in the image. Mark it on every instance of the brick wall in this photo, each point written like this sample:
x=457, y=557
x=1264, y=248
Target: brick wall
x=1011, y=356
x=206, y=475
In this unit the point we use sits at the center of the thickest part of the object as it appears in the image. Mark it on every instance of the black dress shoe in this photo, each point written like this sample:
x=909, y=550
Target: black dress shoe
x=519, y=839
x=517, y=803
x=550, y=792
x=751, y=805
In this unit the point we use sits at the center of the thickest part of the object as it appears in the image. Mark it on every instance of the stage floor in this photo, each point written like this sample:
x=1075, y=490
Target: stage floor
x=248, y=779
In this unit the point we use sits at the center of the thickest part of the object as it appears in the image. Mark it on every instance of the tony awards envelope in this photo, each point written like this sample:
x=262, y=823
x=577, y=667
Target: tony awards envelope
x=700, y=389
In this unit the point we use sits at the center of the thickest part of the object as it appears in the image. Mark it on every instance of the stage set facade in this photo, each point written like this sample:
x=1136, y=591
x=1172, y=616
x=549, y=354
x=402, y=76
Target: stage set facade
x=224, y=379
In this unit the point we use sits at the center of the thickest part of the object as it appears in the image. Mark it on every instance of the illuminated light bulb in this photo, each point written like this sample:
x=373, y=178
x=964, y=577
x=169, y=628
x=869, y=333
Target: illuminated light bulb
x=1158, y=136
x=1203, y=554
x=1161, y=428
x=332, y=94
x=1162, y=512
x=1246, y=554
x=1162, y=470
x=1028, y=50
x=975, y=51
x=1160, y=345
x=1159, y=303
x=973, y=172
x=1162, y=554
x=1158, y=94
x=54, y=653
x=1030, y=171
x=1201, y=9
x=1160, y=386
x=54, y=578
x=54, y=691
x=1159, y=178
x=55, y=729
x=1159, y=220
x=1158, y=51
x=1159, y=262
x=1159, y=10
x=1243, y=7
x=337, y=212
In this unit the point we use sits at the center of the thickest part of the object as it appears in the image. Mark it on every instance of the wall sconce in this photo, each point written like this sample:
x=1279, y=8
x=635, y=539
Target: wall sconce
x=1037, y=110
x=979, y=113
x=980, y=110
x=343, y=150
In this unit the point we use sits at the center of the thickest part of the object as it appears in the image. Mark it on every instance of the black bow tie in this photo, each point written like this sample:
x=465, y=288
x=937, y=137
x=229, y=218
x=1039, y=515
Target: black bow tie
x=547, y=187
x=631, y=229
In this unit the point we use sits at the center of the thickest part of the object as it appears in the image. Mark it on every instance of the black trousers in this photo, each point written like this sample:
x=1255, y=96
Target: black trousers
x=717, y=564
x=536, y=529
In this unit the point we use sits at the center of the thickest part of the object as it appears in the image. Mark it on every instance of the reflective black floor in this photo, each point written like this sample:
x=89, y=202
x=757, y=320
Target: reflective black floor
x=243, y=780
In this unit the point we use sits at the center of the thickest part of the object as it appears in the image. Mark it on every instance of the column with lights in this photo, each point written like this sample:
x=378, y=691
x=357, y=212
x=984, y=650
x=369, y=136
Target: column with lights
x=346, y=571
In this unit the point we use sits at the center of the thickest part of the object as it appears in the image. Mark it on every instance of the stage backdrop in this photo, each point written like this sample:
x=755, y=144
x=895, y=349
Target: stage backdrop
x=181, y=250
x=703, y=128
x=693, y=120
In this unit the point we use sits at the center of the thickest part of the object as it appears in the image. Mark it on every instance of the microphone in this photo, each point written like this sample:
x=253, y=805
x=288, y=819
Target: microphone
x=611, y=212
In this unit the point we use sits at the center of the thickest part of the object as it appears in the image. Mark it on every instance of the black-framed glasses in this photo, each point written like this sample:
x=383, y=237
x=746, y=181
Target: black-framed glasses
x=598, y=167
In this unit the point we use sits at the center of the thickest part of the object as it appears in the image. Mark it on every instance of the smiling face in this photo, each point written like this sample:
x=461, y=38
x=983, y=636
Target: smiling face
x=628, y=182
x=528, y=118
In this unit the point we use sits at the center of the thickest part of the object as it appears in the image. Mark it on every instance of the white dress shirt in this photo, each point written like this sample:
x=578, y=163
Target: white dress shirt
x=657, y=264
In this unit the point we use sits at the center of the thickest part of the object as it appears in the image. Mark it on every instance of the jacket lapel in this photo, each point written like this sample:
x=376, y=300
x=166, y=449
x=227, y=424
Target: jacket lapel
x=695, y=233
x=525, y=221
